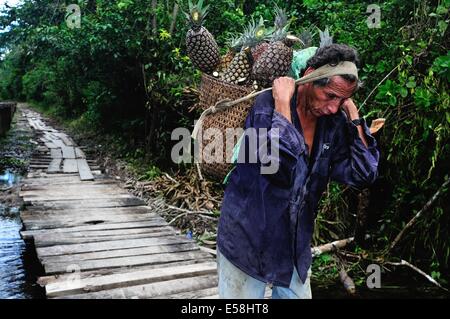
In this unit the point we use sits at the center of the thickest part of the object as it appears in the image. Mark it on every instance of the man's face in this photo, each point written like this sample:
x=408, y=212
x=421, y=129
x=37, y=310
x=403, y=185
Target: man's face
x=328, y=99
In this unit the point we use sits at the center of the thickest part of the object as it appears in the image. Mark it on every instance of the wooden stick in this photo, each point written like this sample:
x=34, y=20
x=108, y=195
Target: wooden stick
x=199, y=171
x=428, y=277
x=416, y=217
x=347, y=281
x=316, y=251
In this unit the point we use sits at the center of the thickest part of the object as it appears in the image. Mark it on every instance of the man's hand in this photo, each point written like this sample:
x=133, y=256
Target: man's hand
x=283, y=89
x=350, y=108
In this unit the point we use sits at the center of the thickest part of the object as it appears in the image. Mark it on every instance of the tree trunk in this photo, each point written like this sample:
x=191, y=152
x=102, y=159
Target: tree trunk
x=174, y=18
x=154, y=26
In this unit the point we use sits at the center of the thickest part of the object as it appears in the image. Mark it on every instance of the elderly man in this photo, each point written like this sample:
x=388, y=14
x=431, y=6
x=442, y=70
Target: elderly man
x=267, y=220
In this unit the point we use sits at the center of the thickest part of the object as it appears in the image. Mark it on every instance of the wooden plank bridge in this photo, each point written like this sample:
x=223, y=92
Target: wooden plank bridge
x=96, y=240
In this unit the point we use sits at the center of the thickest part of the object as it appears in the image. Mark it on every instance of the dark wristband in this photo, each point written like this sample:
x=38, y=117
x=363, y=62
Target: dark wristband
x=357, y=121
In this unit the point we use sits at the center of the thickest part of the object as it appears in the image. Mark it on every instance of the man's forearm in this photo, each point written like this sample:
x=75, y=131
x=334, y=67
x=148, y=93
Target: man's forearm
x=284, y=109
x=353, y=116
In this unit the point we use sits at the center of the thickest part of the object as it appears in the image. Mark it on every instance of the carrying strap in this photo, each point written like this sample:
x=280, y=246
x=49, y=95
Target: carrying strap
x=325, y=71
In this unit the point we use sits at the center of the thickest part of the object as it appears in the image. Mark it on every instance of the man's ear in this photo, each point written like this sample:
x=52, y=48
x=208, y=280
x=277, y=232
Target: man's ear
x=308, y=70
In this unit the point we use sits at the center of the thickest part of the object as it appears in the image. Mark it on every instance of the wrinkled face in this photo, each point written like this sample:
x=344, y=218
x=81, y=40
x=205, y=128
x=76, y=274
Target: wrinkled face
x=326, y=100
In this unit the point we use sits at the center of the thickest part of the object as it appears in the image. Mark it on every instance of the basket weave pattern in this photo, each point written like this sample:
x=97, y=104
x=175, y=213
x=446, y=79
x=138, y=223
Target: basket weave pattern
x=213, y=90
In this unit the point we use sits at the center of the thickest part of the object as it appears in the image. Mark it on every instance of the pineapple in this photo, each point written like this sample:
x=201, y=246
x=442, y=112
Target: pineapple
x=202, y=49
x=255, y=37
x=240, y=68
x=235, y=45
x=276, y=59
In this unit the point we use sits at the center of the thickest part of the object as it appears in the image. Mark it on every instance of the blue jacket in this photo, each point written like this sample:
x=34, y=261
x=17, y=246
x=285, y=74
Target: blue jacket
x=267, y=220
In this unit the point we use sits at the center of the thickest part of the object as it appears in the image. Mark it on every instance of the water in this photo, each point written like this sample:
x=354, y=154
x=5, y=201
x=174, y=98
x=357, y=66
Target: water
x=17, y=261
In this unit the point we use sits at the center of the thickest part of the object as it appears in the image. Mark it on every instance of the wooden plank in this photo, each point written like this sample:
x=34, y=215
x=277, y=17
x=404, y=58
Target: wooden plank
x=73, y=221
x=135, y=223
x=89, y=203
x=84, y=221
x=54, y=268
x=73, y=191
x=79, y=153
x=66, y=139
x=54, y=166
x=87, y=213
x=119, y=253
x=73, y=197
x=87, y=186
x=107, y=233
x=84, y=170
x=36, y=212
x=109, y=245
x=58, y=143
x=68, y=152
x=71, y=181
x=154, y=225
x=129, y=279
x=61, y=240
x=56, y=153
x=153, y=290
x=45, y=280
x=70, y=165
x=50, y=145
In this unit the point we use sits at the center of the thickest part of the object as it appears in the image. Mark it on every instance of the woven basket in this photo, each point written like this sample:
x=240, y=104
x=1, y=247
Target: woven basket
x=213, y=90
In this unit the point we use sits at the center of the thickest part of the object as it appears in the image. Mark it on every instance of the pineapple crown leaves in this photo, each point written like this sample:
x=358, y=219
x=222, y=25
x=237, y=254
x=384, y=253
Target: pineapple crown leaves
x=253, y=34
x=197, y=13
x=281, y=19
x=325, y=38
x=235, y=42
x=281, y=24
x=261, y=32
x=279, y=34
x=306, y=36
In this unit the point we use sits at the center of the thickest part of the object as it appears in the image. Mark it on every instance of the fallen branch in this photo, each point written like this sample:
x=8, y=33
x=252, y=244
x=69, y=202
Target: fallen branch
x=200, y=176
x=428, y=277
x=316, y=251
x=189, y=211
x=171, y=178
x=208, y=250
x=347, y=281
x=416, y=217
